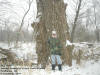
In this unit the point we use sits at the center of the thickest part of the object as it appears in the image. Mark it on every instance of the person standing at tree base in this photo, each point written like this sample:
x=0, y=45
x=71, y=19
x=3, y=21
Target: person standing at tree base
x=55, y=51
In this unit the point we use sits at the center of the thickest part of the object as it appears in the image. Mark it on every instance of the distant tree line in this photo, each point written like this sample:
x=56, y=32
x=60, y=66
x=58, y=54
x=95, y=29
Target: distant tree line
x=9, y=35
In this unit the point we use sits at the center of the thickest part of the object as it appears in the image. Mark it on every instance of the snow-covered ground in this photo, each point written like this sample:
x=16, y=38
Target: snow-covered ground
x=22, y=49
x=87, y=67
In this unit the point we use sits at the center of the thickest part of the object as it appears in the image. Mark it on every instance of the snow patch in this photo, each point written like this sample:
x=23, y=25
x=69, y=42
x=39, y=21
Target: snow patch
x=68, y=43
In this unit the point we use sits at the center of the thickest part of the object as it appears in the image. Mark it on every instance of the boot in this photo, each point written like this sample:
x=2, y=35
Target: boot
x=60, y=67
x=53, y=67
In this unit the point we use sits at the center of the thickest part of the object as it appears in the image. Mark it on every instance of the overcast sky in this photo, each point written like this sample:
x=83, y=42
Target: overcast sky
x=13, y=10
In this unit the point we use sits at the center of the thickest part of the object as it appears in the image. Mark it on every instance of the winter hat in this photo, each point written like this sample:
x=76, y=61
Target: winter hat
x=53, y=32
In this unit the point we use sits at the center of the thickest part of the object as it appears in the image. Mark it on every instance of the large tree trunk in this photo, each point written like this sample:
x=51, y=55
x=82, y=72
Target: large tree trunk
x=53, y=17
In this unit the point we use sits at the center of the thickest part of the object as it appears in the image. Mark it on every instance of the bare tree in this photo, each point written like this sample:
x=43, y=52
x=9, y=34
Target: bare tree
x=75, y=20
x=22, y=21
x=95, y=21
x=26, y=12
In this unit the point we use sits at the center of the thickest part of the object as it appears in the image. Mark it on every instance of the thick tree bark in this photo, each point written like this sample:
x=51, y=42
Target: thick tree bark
x=69, y=49
x=53, y=17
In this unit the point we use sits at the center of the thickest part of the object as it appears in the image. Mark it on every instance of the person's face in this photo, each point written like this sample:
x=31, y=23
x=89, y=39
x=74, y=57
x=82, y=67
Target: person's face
x=54, y=35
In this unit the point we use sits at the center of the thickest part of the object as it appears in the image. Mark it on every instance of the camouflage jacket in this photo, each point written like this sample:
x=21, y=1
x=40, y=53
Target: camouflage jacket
x=55, y=46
